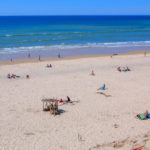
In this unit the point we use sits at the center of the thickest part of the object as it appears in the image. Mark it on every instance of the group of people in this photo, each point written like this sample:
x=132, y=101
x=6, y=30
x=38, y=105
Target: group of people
x=68, y=100
x=13, y=76
x=120, y=69
x=124, y=69
x=143, y=116
x=49, y=66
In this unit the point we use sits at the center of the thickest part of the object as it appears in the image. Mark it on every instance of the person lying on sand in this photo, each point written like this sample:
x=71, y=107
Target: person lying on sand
x=65, y=101
x=61, y=101
x=92, y=73
x=102, y=88
x=126, y=69
x=119, y=69
x=12, y=76
x=27, y=77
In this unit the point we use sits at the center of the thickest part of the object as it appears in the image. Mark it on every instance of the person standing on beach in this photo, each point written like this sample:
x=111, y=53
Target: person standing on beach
x=29, y=55
x=58, y=55
x=39, y=58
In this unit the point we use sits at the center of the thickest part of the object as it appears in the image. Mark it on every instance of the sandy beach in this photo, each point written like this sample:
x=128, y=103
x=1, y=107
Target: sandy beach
x=94, y=122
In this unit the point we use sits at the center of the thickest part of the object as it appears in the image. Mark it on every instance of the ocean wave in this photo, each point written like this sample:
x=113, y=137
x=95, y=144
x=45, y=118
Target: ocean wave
x=76, y=33
x=74, y=46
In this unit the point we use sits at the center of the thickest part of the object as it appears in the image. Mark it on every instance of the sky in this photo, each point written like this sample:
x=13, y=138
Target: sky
x=74, y=7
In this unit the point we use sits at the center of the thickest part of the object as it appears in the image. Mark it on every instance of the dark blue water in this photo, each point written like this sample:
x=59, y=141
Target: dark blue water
x=31, y=33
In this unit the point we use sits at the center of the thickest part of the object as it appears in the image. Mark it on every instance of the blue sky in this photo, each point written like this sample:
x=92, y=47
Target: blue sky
x=74, y=7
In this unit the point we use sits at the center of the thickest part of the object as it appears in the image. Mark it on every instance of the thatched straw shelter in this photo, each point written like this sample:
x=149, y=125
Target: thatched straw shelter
x=50, y=105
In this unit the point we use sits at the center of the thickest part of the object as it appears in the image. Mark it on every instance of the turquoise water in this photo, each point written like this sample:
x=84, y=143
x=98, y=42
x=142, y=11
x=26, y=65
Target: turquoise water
x=31, y=33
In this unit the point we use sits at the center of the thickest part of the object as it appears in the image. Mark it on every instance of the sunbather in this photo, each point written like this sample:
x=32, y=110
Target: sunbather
x=125, y=69
x=9, y=76
x=102, y=88
x=60, y=101
x=27, y=76
x=13, y=76
x=68, y=100
x=128, y=69
x=119, y=69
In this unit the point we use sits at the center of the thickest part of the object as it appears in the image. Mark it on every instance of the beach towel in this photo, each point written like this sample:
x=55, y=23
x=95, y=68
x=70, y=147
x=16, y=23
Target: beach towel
x=142, y=116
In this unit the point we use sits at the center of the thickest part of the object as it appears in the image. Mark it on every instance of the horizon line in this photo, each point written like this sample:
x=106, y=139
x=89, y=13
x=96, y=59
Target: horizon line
x=77, y=15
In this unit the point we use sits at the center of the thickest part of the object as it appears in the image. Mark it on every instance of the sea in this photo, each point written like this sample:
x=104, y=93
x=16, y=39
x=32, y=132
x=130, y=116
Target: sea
x=49, y=36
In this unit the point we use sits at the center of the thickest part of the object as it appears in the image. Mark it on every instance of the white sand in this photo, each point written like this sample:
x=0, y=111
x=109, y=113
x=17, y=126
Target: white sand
x=85, y=125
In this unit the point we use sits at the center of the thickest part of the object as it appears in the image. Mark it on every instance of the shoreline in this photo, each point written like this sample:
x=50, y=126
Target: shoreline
x=44, y=59
x=71, y=52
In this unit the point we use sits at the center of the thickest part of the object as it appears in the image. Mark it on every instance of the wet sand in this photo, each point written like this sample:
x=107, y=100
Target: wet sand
x=34, y=60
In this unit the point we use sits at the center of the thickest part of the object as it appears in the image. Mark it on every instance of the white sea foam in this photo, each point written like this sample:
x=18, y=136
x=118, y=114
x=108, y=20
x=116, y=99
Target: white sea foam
x=64, y=46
